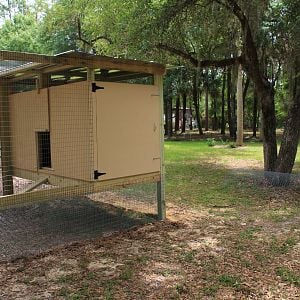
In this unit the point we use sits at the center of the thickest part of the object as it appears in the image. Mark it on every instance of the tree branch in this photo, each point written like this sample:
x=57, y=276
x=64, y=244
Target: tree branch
x=201, y=63
x=91, y=42
x=80, y=38
x=102, y=37
x=179, y=52
x=237, y=11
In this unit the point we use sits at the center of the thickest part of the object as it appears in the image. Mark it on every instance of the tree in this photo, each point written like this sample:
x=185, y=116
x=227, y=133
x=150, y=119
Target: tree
x=78, y=25
x=22, y=33
x=251, y=22
x=240, y=105
x=223, y=123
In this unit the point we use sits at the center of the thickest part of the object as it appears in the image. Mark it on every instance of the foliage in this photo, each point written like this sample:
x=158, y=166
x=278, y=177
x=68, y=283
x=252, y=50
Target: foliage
x=211, y=142
x=21, y=34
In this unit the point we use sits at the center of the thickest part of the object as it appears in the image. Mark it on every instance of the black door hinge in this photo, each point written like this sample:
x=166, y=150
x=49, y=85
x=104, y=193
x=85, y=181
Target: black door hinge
x=97, y=174
x=95, y=87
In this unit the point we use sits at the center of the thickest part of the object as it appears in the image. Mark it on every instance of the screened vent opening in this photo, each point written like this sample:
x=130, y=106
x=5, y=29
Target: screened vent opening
x=44, y=149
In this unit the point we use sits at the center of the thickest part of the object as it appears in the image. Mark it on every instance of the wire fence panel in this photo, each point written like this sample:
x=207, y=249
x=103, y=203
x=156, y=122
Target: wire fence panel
x=38, y=227
x=53, y=187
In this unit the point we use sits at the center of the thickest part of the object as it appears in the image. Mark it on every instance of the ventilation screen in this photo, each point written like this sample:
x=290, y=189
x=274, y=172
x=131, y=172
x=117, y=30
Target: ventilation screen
x=44, y=151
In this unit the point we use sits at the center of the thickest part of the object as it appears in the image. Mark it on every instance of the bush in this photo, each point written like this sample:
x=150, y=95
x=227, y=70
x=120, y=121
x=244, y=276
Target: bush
x=211, y=142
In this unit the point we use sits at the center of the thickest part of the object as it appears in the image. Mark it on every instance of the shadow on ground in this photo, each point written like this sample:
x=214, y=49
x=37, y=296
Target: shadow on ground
x=39, y=227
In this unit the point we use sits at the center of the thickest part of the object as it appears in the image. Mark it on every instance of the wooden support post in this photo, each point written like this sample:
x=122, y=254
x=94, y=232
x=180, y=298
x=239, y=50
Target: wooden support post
x=42, y=81
x=5, y=140
x=93, y=111
x=161, y=205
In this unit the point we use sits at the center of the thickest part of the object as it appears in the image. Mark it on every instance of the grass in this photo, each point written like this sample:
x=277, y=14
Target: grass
x=282, y=247
x=288, y=276
x=230, y=280
x=127, y=273
x=197, y=174
x=188, y=256
x=249, y=233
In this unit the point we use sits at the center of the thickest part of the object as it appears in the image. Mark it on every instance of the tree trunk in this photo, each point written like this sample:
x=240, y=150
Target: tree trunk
x=169, y=117
x=254, y=124
x=177, y=113
x=215, y=118
x=240, y=117
x=246, y=87
x=223, y=123
x=291, y=133
x=229, y=104
x=191, y=119
x=268, y=118
x=206, y=107
x=184, y=97
x=165, y=114
x=196, y=103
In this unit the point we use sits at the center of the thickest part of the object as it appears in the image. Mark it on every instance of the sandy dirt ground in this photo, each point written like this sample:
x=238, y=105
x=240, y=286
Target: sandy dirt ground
x=204, y=253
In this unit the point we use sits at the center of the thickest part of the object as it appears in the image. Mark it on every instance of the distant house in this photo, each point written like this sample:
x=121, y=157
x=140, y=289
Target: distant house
x=189, y=120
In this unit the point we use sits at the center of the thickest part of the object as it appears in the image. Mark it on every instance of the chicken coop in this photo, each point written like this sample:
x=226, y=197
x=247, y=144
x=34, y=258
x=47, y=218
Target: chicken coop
x=80, y=124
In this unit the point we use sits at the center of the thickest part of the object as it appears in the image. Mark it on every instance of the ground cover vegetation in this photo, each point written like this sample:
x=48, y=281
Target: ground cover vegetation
x=229, y=235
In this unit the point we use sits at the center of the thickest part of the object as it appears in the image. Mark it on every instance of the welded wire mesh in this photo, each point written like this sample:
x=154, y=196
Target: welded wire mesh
x=38, y=227
x=248, y=185
x=56, y=144
x=265, y=179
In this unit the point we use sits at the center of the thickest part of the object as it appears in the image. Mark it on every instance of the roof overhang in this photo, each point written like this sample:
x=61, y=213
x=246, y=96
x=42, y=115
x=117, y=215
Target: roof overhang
x=19, y=65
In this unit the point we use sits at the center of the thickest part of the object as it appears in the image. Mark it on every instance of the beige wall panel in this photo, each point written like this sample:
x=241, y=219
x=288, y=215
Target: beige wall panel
x=29, y=113
x=128, y=129
x=71, y=131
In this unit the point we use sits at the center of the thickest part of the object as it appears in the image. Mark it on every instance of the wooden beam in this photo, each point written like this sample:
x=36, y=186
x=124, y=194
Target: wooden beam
x=54, y=180
x=161, y=204
x=5, y=140
x=36, y=184
x=76, y=190
x=35, y=72
x=85, y=60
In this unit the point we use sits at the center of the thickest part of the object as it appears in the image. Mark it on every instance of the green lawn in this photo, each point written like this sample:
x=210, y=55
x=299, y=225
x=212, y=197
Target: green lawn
x=197, y=174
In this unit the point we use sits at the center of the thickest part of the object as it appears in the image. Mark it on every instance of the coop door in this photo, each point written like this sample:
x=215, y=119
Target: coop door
x=127, y=129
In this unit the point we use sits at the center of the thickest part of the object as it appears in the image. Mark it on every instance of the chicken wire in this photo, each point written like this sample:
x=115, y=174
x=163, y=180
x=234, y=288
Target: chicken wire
x=46, y=132
x=34, y=228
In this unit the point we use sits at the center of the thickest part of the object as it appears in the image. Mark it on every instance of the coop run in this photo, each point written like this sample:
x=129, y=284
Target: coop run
x=81, y=148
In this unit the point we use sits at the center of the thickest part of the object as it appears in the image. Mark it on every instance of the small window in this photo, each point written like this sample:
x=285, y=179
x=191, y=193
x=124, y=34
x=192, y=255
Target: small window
x=44, y=149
